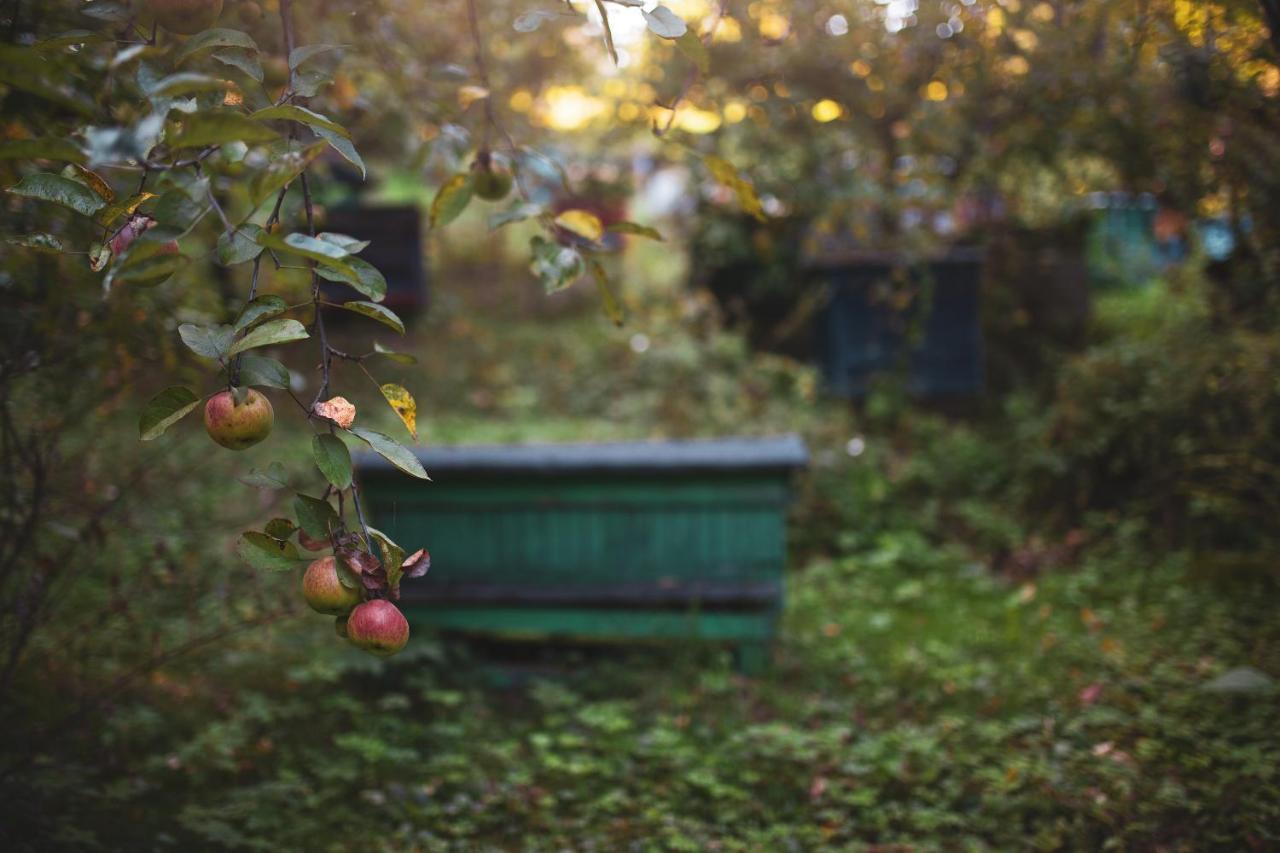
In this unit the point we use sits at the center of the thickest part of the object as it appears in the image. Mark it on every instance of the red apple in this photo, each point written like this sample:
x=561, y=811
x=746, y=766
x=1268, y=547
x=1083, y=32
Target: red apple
x=185, y=17
x=379, y=627
x=323, y=589
x=238, y=427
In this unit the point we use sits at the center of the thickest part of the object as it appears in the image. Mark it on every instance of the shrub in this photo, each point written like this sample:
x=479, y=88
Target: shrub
x=1178, y=428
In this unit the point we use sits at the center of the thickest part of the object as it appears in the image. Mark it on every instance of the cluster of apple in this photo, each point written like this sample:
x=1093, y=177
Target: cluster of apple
x=376, y=625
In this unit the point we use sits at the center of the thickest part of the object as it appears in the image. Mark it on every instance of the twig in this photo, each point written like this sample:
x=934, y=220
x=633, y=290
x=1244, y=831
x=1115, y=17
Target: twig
x=213, y=200
x=326, y=352
x=721, y=11
x=234, y=374
x=490, y=113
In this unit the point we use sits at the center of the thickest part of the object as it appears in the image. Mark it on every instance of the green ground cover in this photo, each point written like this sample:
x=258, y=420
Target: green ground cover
x=963, y=664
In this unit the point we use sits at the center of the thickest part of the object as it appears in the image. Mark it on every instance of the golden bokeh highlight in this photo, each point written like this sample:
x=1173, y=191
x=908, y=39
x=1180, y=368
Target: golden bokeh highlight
x=826, y=110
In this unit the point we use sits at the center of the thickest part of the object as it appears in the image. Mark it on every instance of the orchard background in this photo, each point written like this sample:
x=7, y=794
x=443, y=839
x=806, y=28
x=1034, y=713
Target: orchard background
x=1043, y=619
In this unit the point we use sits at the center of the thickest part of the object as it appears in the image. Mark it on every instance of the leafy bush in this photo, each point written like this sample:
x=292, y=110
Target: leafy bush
x=1177, y=427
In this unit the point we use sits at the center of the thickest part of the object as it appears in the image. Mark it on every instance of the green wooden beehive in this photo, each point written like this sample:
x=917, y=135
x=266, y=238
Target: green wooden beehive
x=647, y=540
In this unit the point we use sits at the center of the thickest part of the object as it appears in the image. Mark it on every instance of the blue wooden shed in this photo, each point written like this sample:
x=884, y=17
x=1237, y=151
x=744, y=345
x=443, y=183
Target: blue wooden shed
x=886, y=313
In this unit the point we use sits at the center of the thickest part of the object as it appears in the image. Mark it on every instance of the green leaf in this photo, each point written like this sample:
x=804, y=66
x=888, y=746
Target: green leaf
x=99, y=257
x=38, y=242
x=259, y=308
x=201, y=130
x=333, y=459
x=177, y=209
x=155, y=244
x=284, y=166
x=398, y=357
x=107, y=10
x=309, y=247
x=186, y=83
x=218, y=37
x=272, y=478
x=312, y=67
x=608, y=299
x=279, y=528
x=269, y=333
x=344, y=241
x=367, y=279
x=377, y=312
x=518, y=213
x=692, y=47
x=263, y=371
x=245, y=60
x=392, y=451
x=239, y=246
x=144, y=271
x=67, y=39
x=29, y=71
x=347, y=576
x=300, y=56
x=392, y=557
x=43, y=148
x=635, y=229
x=164, y=410
x=451, y=200
x=344, y=147
x=530, y=21
x=391, y=552
x=293, y=112
x=314, y=516
x=556, y=266
x=665, y=23
x=59, y=190
x=267, y=554
x=132, y=52
x=209, y=341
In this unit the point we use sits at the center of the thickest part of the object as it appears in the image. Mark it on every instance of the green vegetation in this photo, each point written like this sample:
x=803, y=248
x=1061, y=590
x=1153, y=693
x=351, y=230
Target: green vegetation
x=1048, y=623
x=956, y=669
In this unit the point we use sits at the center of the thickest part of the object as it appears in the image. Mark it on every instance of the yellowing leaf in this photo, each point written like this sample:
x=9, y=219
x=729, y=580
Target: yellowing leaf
x=581, y=222
x=726, y=173
x=451, y=200
x=96, y=182
x=468, y=95
x=608, y=299
x=404, y=405
x=337, y=409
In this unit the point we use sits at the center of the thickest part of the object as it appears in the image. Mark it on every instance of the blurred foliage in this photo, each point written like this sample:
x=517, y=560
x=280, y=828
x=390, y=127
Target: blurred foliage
x=916, y=699
x=1174, y=422
x=1005, y=631
x=952, y=670
x=906, y=127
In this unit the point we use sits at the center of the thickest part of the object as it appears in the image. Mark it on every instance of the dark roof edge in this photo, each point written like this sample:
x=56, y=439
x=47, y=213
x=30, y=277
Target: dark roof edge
x=722, y=454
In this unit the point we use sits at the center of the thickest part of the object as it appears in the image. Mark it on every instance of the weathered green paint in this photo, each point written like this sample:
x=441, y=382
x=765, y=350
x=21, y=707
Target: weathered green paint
x=607, y=554
x=585, y=532
x=598, y=624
